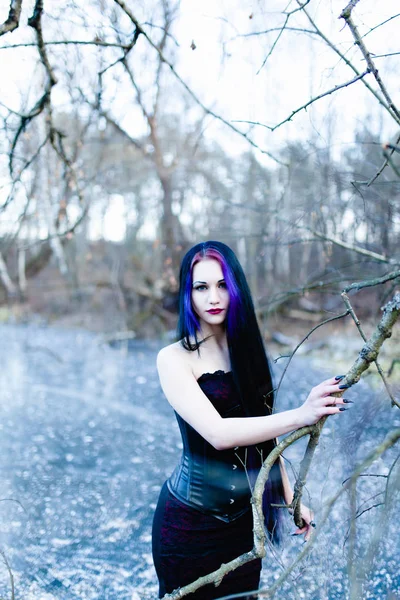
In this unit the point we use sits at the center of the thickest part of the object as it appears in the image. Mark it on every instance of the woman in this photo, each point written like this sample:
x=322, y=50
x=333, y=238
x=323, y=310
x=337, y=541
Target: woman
x=217, y=379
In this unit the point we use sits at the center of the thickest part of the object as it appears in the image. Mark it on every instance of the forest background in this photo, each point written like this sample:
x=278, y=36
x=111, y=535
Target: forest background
x=126, y=138
x=130, y=131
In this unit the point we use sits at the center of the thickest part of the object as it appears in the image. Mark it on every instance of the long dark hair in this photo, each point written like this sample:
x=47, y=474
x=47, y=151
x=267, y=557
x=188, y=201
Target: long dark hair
x=249, y=363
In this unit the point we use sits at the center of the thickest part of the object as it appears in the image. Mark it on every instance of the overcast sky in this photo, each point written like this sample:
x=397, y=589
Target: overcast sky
x=225, y=70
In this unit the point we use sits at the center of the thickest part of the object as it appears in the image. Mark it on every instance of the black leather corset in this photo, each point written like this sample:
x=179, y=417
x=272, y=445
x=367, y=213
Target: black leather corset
x=214, y=481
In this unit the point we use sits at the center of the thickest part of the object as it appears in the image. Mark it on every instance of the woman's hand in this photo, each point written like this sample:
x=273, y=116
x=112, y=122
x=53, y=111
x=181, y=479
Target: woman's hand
x=320, y=402
x=308, y=517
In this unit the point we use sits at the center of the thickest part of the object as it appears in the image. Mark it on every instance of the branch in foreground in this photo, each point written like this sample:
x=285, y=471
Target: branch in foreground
x=385, y=163
x=35, y=21
x=356, y=320
x=372, y=282
x=366, y=356
x=343, y=58
x=12, y=21
x=307, y=104
x=346, y=15
x=370, y=350
x=335, y=318
x=388, y=442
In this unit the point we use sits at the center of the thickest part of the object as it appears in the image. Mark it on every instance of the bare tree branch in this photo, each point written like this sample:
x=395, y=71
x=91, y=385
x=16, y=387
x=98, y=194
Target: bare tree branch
x=356, y=320
x=372, y=282
x=12, y=21
x=380, y=25
x=388, y=442
x=307, y=104
x=129, y=13
x=282, y=29
x=346, y=15
x=100, y=43
x=330, y=44
x=27, y=164
x=348, y=246
x=10, y=574
x=386, y=55
x=335, y=318
x=272, y=30
x=35, y=22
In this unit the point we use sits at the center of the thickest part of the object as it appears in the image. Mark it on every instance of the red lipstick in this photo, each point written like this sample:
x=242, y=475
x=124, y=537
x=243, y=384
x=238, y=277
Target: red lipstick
x=215, y=311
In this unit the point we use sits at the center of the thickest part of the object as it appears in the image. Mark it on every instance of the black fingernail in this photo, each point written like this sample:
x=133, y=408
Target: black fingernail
x=342, y=408
x=348, y=401
x=338, y=377
x=344, y=386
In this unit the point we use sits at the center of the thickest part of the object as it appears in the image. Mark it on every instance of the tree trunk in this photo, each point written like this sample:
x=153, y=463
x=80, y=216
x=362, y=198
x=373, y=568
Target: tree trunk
x=6, y=279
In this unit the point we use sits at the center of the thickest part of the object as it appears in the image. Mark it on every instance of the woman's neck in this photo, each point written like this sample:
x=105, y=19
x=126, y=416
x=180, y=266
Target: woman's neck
x=214, y=338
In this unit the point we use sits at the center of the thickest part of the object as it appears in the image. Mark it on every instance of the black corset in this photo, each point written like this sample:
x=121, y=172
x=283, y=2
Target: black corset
x=215, y=482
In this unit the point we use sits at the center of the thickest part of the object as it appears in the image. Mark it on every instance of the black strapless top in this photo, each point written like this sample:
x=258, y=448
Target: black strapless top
x=215, y=481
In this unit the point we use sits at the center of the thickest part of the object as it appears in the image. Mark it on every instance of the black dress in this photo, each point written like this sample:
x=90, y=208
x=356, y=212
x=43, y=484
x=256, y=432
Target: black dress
x=189, y=541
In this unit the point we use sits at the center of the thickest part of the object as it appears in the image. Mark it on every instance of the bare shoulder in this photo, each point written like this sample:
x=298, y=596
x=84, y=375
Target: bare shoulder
x=173, y=356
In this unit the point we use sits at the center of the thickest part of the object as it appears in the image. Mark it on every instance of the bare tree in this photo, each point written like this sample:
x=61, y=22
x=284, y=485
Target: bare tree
x=287, y=216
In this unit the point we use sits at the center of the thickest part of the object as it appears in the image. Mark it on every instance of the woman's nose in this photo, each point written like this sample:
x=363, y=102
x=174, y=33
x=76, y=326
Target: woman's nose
x=213, y=296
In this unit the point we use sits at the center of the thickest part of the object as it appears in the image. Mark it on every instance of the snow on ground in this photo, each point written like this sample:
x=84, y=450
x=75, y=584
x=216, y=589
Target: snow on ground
x=87, y=439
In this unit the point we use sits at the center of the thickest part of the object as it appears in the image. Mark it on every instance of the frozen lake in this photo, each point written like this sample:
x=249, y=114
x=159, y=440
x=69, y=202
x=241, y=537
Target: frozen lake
x=86, y=441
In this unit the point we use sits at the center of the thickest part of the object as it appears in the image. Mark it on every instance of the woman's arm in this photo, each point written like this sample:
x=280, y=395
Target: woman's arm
x=186, y=397
x=287, y=488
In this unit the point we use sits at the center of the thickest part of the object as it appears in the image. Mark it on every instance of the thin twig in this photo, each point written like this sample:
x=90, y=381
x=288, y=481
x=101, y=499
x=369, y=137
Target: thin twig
x=346, y=15
x=307, y=104
x=356, y=320
x=10, y=574
x=69, y=43
x=335, y=318
x=372, y=282
x=210, y=112
x=282, y=29
x=380, y=99
x=363, y=251
x=395, y=361
x=387, y=443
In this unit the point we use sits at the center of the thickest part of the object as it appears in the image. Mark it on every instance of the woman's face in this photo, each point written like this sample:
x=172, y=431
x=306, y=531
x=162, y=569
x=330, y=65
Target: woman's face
x=210, y=296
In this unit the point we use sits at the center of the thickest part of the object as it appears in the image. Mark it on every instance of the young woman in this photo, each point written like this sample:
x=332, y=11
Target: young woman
x=217, y=379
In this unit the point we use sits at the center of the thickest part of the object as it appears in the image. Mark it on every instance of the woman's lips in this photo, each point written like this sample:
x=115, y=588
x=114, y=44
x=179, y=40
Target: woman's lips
x=215, y=311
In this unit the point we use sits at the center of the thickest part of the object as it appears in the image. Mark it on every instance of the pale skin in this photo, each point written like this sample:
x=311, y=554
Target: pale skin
x=179, y=370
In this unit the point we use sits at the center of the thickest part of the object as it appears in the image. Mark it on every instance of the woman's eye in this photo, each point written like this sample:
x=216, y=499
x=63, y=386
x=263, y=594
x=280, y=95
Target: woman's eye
x=200, y=288
x=223, y=285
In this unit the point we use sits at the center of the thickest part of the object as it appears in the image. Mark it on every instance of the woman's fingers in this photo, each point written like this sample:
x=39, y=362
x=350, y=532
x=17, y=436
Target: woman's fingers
x=320, y=401
x=308, y=533
x=337, y=380
x=307, y=530
x=333, y=410
x=330, y=388
x=328, y=400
